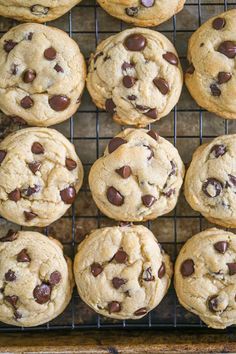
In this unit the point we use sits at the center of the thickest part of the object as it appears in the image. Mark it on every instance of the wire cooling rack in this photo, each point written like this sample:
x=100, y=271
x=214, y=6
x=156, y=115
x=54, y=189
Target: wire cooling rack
x=187, y=126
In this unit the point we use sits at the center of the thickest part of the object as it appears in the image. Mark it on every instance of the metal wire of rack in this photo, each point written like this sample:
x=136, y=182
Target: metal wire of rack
x=169, y=314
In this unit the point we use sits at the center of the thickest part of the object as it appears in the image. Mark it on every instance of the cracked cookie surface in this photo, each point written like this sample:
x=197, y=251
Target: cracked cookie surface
x=40, y=175
x=138, y=178
x=121, y=272
x=211, y=77
x=205, y=273
x=35, y=10
x=43, y=88
x=210, y=184
x=142, y=12
x=135, y=75
x=35, y=279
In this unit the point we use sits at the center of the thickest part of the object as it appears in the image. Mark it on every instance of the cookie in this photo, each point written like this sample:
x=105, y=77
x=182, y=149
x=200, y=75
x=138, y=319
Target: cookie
x=40, y=175
x=211, y=77
x=122, y=272
x=142, y=12
x=210, y=183
x=35, y=11
x=205, y=274
x=138, y=178
x=35, y=279
x=135, y=75
x=43, y=88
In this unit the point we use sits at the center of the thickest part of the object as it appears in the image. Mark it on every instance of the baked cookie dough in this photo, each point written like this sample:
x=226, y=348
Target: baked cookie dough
x=35, y=10
x=211, y=77
x=143, y=12
x=40, y=175
x=138, y=178
x=121, y=272
x=35, y=279
x=210, y=183
x=42, y=74
x=135, y=75
x=205, y=274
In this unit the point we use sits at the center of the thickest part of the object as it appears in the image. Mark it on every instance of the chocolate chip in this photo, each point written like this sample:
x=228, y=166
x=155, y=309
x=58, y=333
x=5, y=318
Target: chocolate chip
x=228, y=48
x=142, y=108
x=132, y=11
x=12, y=299
x=232, y=268
x=215, y=90
x=10, y=275
x=128, y=81
x=10, y=236
x=224, y=77
x=114, y=196
x=30, y=36
x=148, y=200
x=190, y=70
x=132, y=97
x=29, y=215
x=14, y=69
x=3, y=154
x=15, y=195
x=50, y=53
x=68, y=195
x=135, y=42
x=171, y=58
x=110, y=105
x=34, y=166
x=121, y=256
x=162, y=270
x=55, y=278
x=173, y=169
x=212, y=187
x=147, y=3
x=96, y=269
x=187, y=268
x=219, y=150
x=151, y=151
x=232, y=180
x=39, y=10
x=58, y=68
x=221, y=246
x=23, y=256
x=140, y=312
x=26, y=102
x=114, y=306
x=59, y=103
x=153, y=135
x=147, y=275
x=126, y=66
x=125, y=224
x=169, y=193
x=37, y=148
x=29, y=76
x=218, y=23
x=213, y=303
x=118, y=282
x=152, y=113
x=42, y=293
x=70, y=164
x=124, y=171
x=107, y=57
x=18, y=120
x=9, y=45
x=162, y=85
x=31, y=190
x=115, y=143
x=17, y=315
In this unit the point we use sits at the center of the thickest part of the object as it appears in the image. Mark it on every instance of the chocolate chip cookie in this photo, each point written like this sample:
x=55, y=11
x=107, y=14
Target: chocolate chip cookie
x=40, y=175
x=136, y=76
x=42, y=74
x=205, y=274
x=35, y=279
x=142, y=12
x=122, y=272
x=211, y=77
x=210, y=183
x=138, y=178
x=35, y=10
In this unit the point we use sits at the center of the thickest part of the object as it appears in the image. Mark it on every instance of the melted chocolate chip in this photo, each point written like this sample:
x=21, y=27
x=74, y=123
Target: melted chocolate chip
x=132, y=97
x=27, y=102
x=96, y=269
x=110, y=105
x=162, y=85
x=23, y=256
x=232, y=180
x=126, y=66
x=125, y=224
x=132, y=11
x=124, y=172
x=42, y=293
x=10, y=275
x=37, y=148
x=121, y=256
x=187, y=268
x=147, y=275
x=68, y=195
x=114, y=306
x=218, y=23
x=14, y=69
x=213, y=303
x=118, y=282
x=50, y=53
x=147, y=3
x=128, y=81
x=135, y=42
x=228, y=48
x=30, y=36
x=140, y=312
x=212, y=187
x=148, y=200
x=169, y=193
x=15, y=195
x=59, y=103
x=12, y=299
x=3, y=154
x=221, y=246
x=34, y=166
x=10, y=236
x=190, y=70
x=9, y=45
x=55, y=278
x=58, y=68
x=171, y=58
x=17, y=315
x=18, y=120
x=70, y=164
x=162, y=271
x=232, y=268
x=31, y=190
x=215, y=91
x=153, y=135
x=29, y=215
x=224, y=77
x=151, y=113
x=218, y=150
x=100, y=54
x=29, y=76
